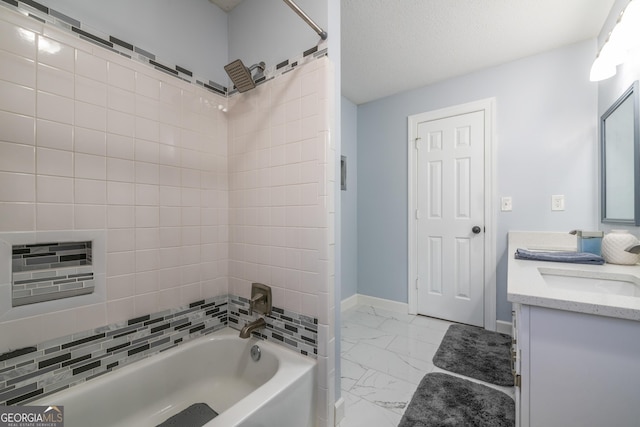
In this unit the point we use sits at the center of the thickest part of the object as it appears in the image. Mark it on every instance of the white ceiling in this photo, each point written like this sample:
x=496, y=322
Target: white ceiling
x=390, y=46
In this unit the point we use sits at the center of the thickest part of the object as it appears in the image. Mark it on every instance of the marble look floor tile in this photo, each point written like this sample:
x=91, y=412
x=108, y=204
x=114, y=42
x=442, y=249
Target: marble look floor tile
x=346, y=346
x=394, y=364
x=384, y=390
x=413, y=348
x=362, y=413
x=364, y=319
x=381, y=312
x=350, y=373
x=411, y=331
x=356, y=333
x=430, y=322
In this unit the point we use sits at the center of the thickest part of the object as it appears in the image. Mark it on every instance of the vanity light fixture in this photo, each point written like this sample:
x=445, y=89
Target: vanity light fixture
x=624, y=37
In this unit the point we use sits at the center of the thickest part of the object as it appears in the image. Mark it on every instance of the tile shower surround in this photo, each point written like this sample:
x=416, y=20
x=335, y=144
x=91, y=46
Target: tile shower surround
x=34, y=372
x=198, y=247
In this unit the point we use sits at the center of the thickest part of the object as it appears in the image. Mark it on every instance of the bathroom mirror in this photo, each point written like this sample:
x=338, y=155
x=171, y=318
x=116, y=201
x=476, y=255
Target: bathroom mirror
x=620, y=168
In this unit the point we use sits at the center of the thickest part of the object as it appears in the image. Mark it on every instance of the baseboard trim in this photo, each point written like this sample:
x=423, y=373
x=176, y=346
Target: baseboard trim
x=503, y=327
x=349, y=302
x=339, y=410
x=357, y=299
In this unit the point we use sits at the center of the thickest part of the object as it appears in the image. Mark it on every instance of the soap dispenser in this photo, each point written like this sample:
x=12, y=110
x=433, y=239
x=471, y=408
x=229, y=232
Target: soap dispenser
x=589, y=241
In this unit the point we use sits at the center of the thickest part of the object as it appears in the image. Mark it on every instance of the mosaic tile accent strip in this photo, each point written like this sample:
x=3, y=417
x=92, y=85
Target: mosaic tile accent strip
x=50, y=271
x=33, y=372
x=295, y=331
x=47, y=15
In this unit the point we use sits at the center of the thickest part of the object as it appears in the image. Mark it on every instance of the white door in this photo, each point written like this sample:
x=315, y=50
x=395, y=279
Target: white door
x=450, y=218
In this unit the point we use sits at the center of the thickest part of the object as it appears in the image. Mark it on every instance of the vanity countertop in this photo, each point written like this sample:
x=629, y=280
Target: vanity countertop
x=526, y=285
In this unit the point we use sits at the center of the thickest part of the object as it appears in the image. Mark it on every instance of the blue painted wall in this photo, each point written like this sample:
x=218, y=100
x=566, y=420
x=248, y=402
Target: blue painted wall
x=546, y=111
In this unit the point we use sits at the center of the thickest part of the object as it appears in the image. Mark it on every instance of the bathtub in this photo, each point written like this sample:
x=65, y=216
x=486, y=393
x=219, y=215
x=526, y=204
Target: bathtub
x=216, y=369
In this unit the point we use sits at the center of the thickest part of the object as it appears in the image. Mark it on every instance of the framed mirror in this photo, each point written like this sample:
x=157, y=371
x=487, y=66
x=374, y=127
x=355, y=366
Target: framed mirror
x=620, y=168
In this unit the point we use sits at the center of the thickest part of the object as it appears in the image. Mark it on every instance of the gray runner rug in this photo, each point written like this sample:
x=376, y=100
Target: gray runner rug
x=443, y=400
x=477, y=353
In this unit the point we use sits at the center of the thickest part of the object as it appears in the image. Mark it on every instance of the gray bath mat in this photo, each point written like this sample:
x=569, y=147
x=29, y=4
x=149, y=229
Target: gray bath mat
x=444, y=400
x=195, y=415
x=476, y=353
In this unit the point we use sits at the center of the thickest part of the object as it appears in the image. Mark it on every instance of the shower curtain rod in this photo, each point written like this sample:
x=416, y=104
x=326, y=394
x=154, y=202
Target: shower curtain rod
x=322, y=33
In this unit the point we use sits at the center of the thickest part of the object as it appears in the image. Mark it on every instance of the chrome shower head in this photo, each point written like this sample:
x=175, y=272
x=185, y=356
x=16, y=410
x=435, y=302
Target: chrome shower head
x=241, y=75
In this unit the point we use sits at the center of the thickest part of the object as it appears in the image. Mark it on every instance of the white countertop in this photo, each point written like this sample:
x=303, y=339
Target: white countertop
x=526, y=285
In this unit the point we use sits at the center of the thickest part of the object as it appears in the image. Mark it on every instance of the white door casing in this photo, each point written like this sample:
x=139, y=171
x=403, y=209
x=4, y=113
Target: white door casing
x=451, y=188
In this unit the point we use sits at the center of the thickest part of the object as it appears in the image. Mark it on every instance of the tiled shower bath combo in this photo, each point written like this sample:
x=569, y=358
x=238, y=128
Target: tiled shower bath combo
x=192, y=203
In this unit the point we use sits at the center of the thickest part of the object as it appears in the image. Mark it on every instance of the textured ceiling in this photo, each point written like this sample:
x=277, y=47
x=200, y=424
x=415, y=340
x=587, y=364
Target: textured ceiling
x=390, y=46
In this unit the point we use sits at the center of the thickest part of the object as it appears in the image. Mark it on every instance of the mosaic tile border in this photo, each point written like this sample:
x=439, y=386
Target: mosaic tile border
x=55, y=365
x=34, y=372
x=49, y=271
x=74, y=27
x=295, y=331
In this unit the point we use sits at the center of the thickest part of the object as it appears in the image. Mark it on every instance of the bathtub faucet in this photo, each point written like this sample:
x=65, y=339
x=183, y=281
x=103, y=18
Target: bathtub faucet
x=253, y=326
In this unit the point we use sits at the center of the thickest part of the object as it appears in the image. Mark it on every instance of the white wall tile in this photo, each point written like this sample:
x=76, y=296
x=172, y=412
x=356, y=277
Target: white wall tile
x=17, y=158
x=120, y=287
x=54, y=217
x=147, y=194
x=170, y=216
x=120, y=310
x=147, y=86
x=17, y=216
x=120, y=170
x=17, y=40
x=53, y=189
x=90, y=91
x=147, y=216
x=17, y=128
x=89, y=191
x=54, y=135
x=148, y=108
x=17, y=69
x=120, y=123
x=91, y=66
x=17, y=187
x=90, y=116
x=147, y=173
x=89, y=166
x=147, y=151
x=55, y=54
x=54, y=162
x=146, y=282
x=122, y=239
x=120, y=146
x=120, y=193
x=120, y=263
x=121, y=77
x=90, y=141
x=147, y=260
x=17, y=99
x=54, y=107
x=147, y=129
x=89, y=217
x=56, y=81
x=120, y=216
x=121, y=100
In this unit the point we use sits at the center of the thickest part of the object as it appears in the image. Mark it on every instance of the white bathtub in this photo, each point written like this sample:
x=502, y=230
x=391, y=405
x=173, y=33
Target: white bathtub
x=217, y=369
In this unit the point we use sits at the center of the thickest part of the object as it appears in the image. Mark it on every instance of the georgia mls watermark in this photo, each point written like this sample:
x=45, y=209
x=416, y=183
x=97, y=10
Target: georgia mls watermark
x=31, y=416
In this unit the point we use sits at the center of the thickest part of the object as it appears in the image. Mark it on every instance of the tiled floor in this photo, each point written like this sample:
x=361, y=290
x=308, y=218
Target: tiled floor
x=385, y=355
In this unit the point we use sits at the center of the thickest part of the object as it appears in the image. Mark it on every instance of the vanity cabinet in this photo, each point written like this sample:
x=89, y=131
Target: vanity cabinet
x=575, y=369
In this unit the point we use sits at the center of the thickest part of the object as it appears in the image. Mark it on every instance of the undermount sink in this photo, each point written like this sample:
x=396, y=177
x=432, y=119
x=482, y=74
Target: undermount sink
x=592, y=281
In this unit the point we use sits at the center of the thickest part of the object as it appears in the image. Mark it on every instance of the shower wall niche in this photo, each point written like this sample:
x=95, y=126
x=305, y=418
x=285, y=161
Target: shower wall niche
x=50, y=271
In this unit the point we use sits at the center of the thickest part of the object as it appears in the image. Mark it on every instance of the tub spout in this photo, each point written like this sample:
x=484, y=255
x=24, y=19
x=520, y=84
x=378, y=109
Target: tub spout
x=253, y=326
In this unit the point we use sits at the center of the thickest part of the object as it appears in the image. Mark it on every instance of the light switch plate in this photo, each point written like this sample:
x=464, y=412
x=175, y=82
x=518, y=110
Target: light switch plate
x=557, y=202
x=506, y=204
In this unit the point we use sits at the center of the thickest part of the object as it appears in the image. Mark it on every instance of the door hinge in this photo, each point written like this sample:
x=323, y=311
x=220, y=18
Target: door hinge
x=417, y=283
x=517, y=381
x=417, y=143
x=417, y=214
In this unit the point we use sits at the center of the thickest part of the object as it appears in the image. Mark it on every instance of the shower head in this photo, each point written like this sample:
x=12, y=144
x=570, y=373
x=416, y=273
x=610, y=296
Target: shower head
x=241, y=75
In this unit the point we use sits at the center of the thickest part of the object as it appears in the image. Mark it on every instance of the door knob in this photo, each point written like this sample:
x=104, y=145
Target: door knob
x=476, y=229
